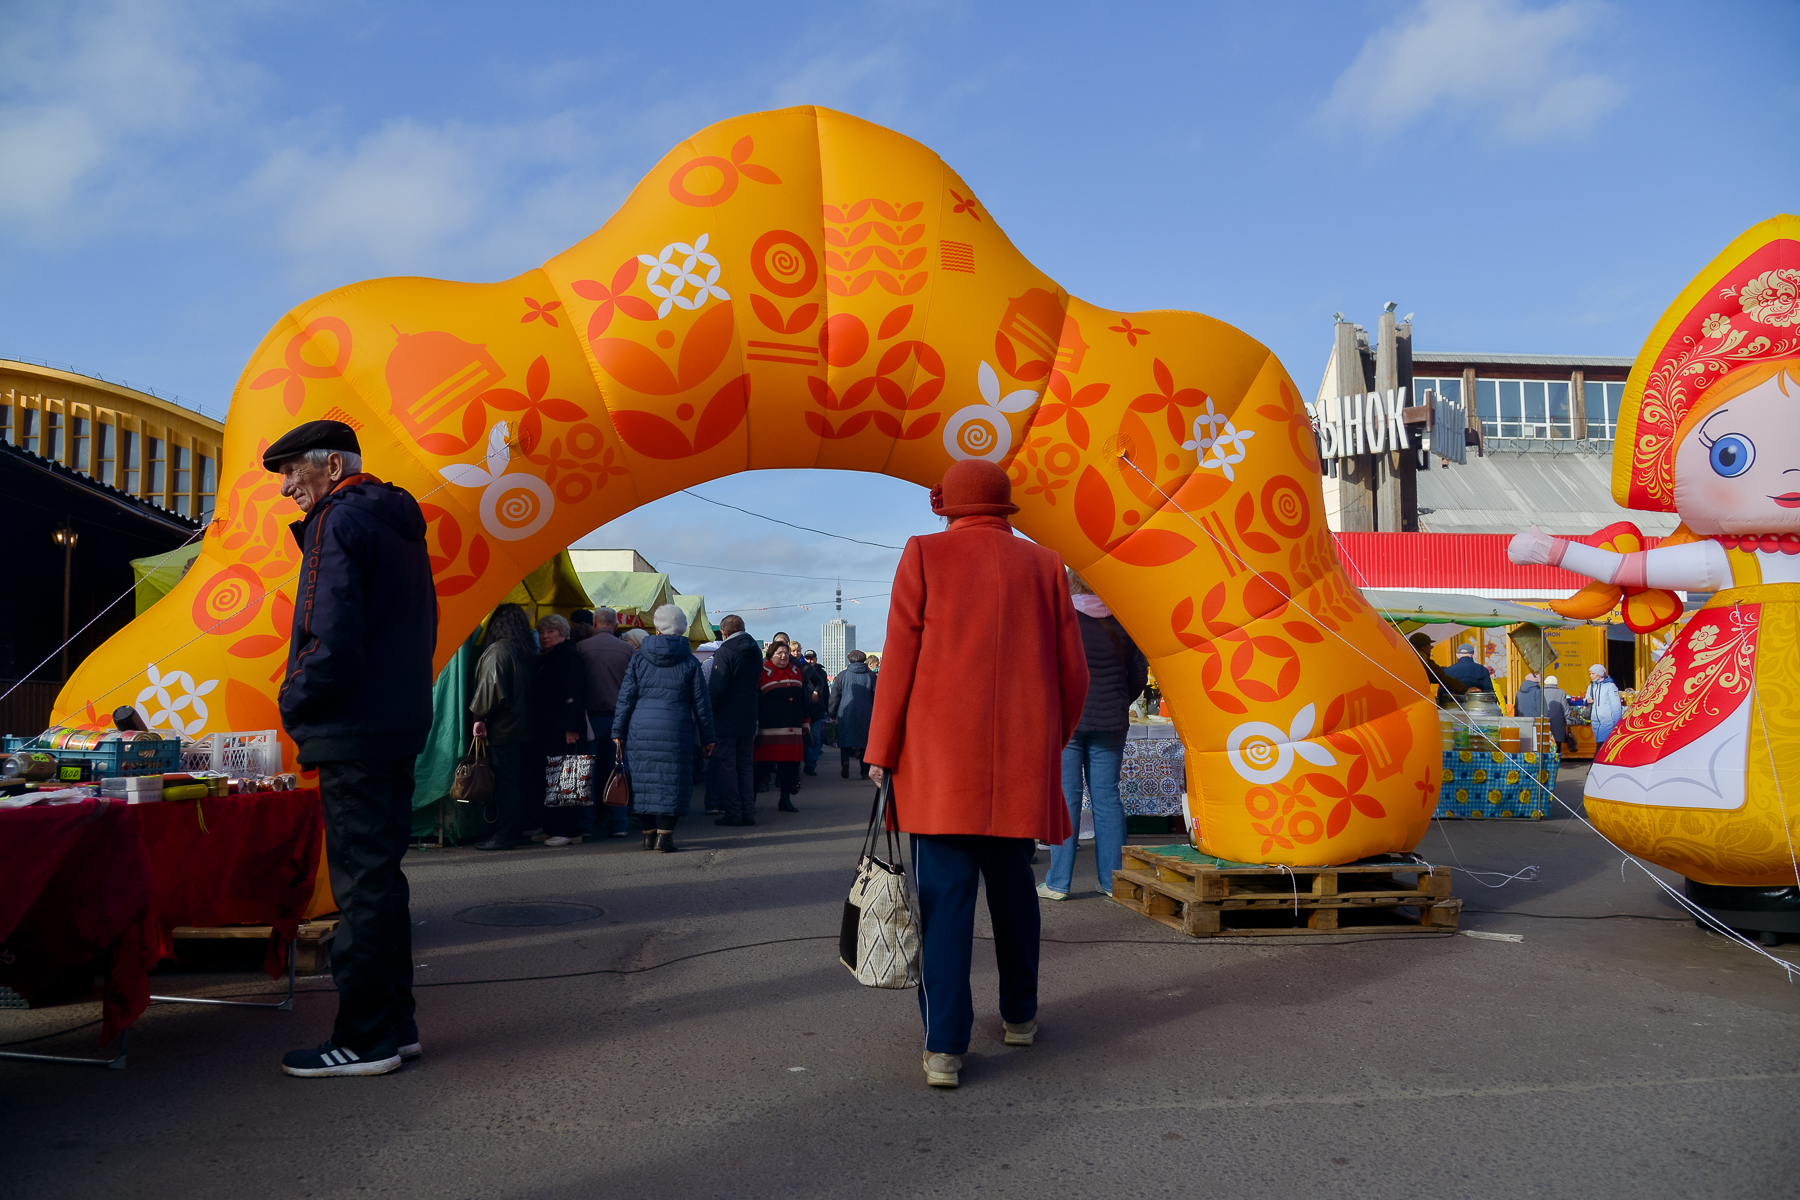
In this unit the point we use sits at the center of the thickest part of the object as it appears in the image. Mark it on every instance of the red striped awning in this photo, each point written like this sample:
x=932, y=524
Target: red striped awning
x=1472, y=563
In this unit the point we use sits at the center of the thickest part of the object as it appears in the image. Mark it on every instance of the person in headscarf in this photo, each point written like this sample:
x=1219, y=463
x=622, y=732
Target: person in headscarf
x=663, y=709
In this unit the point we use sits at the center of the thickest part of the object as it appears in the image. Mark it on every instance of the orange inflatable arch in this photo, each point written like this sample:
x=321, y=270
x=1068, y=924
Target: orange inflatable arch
x=805, y=289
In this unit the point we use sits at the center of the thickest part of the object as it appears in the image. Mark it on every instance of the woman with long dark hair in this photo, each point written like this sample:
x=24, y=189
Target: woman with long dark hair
x=501, y=706
x=782, y=722
x=559, y=698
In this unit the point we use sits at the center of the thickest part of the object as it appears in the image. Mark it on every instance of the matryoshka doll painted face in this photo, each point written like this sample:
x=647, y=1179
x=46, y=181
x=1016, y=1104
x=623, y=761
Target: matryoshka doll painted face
x=1737, y=466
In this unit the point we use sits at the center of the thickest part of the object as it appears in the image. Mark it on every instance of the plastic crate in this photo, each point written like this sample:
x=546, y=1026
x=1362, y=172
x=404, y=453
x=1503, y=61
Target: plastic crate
x=114, y=758
x=256, y=752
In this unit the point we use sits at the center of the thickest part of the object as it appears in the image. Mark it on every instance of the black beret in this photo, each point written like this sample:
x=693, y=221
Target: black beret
x=314, y=435
x=581, y=616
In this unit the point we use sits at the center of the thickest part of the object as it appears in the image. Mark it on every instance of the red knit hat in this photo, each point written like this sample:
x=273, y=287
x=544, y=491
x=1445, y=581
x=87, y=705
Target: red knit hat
x=973, y=487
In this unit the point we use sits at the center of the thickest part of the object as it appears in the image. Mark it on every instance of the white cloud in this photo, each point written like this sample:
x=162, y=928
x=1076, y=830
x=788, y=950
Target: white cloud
x=91, y=100
x=1519, y=72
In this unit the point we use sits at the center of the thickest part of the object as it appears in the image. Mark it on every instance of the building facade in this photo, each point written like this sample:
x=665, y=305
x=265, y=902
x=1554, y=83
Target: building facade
x=1540, y=433
x=142, y=445
x=837, y=638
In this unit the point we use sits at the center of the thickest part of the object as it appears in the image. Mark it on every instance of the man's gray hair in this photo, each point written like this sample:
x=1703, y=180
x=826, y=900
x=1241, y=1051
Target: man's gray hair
x=322, y=460
x=557, y=622
x=670, y=620
x=605, y=618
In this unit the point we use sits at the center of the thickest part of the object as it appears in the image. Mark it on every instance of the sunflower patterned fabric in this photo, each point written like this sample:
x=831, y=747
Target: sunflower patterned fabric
x=804, y=289
x=1490, y=783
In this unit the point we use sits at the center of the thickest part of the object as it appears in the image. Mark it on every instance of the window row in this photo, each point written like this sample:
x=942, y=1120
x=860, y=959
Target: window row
x=156, y=469
x=1533, y=408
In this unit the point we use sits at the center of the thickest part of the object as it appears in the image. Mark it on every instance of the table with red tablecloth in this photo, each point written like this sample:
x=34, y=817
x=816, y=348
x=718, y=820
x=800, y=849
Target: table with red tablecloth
x=235, y=860
x=76, y=884
x=99, y=876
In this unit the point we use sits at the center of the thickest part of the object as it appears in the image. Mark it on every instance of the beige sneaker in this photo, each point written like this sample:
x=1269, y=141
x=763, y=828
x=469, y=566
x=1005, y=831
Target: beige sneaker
x=942, y=1070
x=1020, y=1035
x=1049, y=893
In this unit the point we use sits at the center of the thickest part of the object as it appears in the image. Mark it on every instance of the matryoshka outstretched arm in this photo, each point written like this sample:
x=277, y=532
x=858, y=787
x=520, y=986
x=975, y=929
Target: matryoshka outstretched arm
x=1698, y=566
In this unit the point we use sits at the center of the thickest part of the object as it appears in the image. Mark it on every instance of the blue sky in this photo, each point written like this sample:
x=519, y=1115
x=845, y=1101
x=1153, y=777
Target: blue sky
x=1523, y=176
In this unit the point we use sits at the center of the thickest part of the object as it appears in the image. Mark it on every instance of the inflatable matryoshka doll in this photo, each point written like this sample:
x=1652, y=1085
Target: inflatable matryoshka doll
x=1702, y=775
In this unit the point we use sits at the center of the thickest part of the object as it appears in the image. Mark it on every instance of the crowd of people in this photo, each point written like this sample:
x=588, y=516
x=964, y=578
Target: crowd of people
x=582, y=685
x=357, y=700
x=1539, y=695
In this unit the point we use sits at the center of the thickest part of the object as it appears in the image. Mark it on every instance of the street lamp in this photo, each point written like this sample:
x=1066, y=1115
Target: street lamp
x=66, y=537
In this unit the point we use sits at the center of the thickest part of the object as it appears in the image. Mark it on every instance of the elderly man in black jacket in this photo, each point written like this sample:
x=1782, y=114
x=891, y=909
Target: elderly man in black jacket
x=357, y=702
x=735, y=685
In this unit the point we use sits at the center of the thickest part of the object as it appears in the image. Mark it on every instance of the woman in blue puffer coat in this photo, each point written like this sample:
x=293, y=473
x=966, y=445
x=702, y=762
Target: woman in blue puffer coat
x=662, y=710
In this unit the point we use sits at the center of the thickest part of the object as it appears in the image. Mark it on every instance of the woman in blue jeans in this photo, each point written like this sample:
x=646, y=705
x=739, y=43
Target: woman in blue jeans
x=1117, y=672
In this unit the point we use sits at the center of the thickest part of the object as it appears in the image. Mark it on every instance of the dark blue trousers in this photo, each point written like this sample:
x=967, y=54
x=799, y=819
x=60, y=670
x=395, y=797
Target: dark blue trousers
x=946, y=868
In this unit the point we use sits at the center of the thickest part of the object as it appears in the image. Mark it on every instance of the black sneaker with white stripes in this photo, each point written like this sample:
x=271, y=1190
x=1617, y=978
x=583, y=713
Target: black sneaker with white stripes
x=408, y=1038
x=329, y=1060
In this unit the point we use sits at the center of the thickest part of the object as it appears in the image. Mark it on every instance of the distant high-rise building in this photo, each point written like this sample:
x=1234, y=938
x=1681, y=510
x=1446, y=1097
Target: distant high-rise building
x=837, y=638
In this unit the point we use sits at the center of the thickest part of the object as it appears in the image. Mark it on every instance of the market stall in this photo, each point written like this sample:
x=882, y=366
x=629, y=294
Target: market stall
x=1495, y=765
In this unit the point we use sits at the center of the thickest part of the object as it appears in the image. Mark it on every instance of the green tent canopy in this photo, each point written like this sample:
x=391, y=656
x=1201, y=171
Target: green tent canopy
x=158, y=574
x=1412, y=610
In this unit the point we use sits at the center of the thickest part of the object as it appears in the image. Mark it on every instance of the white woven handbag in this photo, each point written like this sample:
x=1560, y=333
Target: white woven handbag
x=879, y=939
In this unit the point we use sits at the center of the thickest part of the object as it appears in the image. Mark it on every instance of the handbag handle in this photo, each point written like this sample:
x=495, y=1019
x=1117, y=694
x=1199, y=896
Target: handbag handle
x=478, y=747
x=878, y=820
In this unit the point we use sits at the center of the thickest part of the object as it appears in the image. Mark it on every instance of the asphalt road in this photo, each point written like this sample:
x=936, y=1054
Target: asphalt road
x=698, y=1038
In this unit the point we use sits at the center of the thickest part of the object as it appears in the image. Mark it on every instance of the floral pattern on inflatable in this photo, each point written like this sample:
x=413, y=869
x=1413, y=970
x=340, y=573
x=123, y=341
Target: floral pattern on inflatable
x=804, y=289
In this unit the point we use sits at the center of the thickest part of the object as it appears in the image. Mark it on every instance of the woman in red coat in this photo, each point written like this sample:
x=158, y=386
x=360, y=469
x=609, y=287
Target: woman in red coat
x=781, y=722
x=983, y=682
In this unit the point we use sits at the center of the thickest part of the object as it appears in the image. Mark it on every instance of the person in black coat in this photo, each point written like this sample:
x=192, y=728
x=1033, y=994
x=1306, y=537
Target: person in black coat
x=559, y=715
x=852, y=703
x=357, y=702
x=818, y=692
x=1117, y=673
x=735, y=686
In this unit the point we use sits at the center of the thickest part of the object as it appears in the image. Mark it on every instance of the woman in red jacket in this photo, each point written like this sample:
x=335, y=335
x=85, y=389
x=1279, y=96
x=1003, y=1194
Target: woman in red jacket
x=781, y=722
x=983, y=682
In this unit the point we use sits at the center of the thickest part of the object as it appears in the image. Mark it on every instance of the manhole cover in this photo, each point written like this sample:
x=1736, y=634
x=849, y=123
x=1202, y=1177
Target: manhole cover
x=529, y=912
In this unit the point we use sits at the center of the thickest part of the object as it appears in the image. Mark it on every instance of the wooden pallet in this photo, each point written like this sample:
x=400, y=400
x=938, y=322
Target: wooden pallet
x=312, y=945
x=1205, y=901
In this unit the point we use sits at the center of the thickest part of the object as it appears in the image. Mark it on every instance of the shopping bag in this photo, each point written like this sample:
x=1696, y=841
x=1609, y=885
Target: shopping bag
x=568, y=780
x=879, y=937
x=473, y=782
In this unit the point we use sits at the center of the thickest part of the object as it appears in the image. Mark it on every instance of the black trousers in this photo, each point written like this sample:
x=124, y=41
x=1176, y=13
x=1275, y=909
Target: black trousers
x=368, y=822
x=518, y=789
x=735, y=762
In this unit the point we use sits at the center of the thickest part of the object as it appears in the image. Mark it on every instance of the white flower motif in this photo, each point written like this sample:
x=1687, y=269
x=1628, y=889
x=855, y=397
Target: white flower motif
x=1227, y=448
x=513, y=506
x=1212, y=418
x=1262, y=753
x=174, y=693
x=683, y=275
x=982, y=430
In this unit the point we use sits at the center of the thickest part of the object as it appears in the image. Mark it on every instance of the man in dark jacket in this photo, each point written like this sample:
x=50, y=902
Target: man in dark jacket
x=852, y=703
x=817, y=686
x=1470, y=671
x=605, y=655
x=357, y=702
x=735, y=685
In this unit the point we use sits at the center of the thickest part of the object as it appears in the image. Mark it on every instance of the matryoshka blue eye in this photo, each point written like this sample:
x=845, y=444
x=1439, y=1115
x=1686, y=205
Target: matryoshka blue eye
x=1732, y=455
